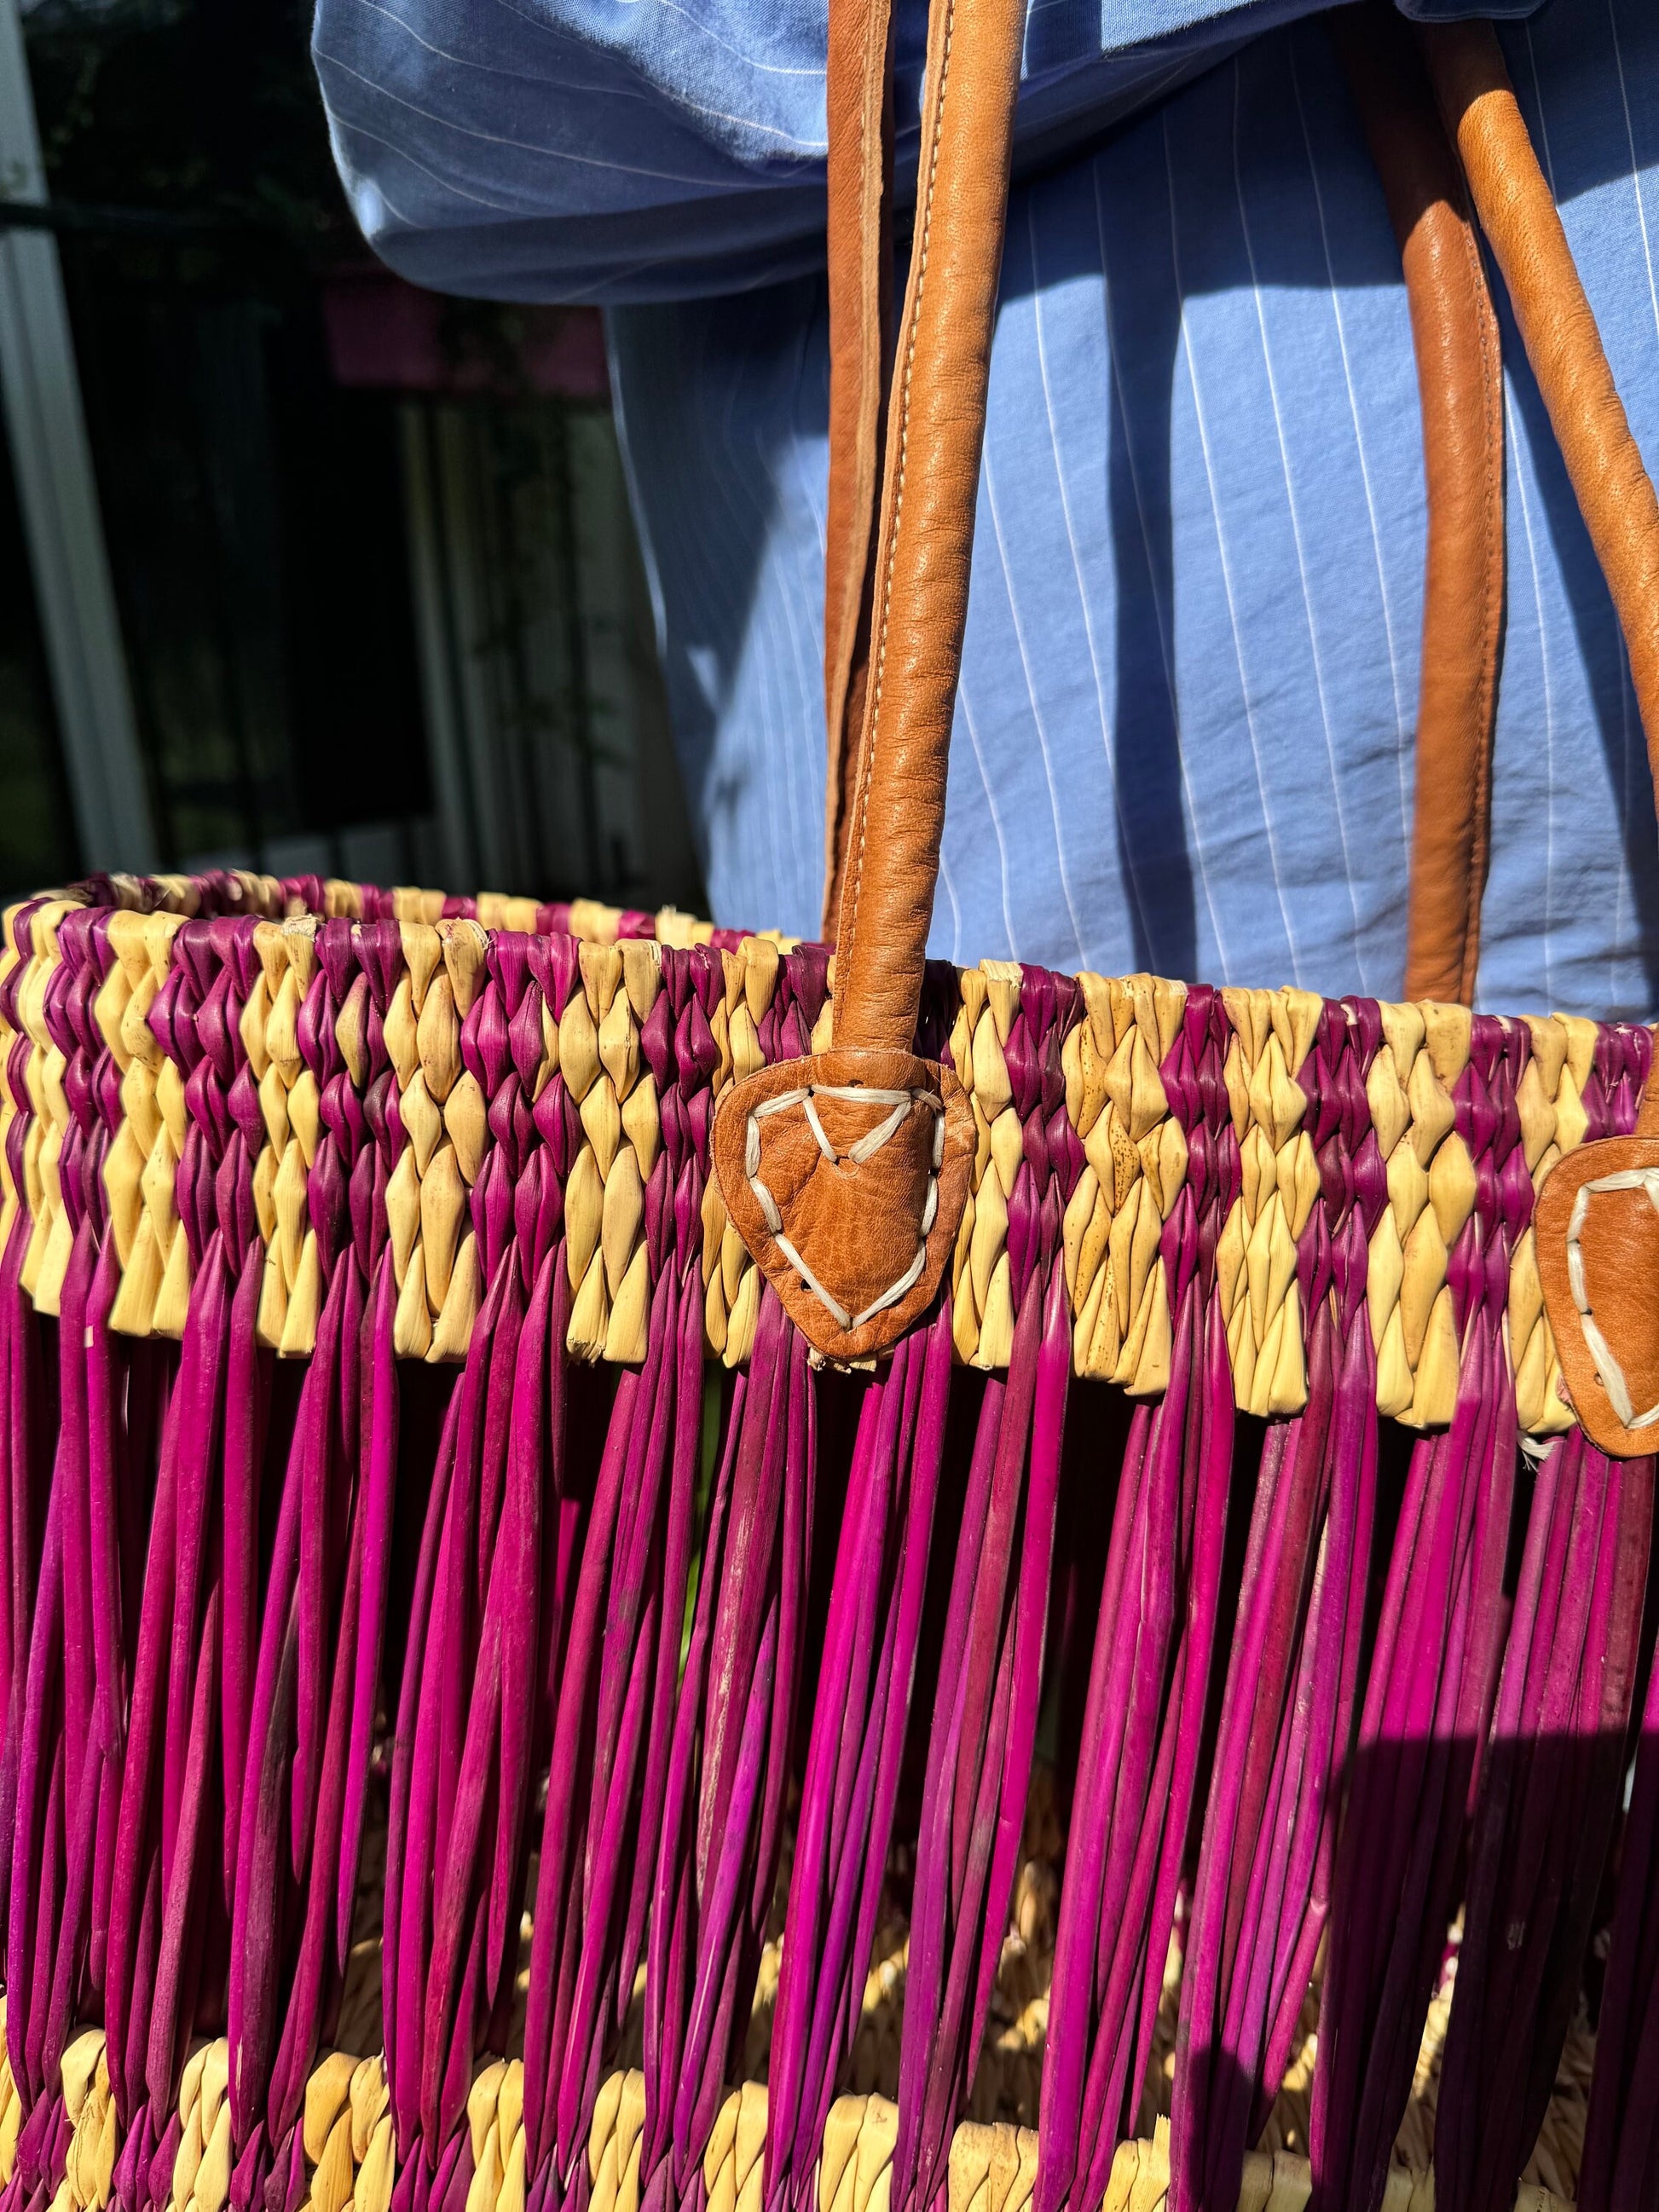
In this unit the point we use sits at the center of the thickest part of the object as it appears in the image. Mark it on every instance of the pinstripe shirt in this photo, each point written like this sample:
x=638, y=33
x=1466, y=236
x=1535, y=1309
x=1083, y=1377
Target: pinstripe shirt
x=1184, y=736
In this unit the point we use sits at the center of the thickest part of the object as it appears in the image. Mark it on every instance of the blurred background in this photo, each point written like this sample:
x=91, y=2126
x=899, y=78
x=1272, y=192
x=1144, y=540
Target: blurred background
x=301, y=568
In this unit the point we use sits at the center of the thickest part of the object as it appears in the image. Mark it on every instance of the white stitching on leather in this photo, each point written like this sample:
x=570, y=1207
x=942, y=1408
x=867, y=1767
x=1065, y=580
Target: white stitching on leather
x=1607, y=1369
x=867, y=765
x=865, y=1149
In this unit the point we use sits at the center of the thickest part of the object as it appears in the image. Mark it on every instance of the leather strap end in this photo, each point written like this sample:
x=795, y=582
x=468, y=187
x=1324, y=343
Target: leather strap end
x=1596, y=1230
x=846, y=1175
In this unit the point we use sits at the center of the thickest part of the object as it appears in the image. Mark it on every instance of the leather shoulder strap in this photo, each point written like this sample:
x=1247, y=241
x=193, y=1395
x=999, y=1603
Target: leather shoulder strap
x=935, y=427
x=859, y=109
x=1460, y=378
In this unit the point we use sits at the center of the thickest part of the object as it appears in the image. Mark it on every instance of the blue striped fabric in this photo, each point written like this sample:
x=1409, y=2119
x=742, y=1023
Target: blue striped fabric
x=1184, y=732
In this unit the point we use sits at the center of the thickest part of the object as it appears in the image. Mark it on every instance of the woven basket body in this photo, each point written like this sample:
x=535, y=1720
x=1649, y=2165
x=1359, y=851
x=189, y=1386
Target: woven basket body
x=394, y=1416
x=657, y=1569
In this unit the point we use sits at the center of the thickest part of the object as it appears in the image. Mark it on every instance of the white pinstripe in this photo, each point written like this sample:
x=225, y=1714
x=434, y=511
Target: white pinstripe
x=648, y=548
x=767, y=69
x=401, y=154
x=815, y=147
x=1523, y=461
x=563, y=81
x=1627, y=697
x=728, y=755
x=1543, y=127
x=1635, y=167
x=1166, y=626
x=678, y=97
x=1124, y=846
x=407, y=222
x=801, y=718
x=355, y=182
x=813, y=490
x=1227, y=564
x=814, y=481
x=767, y=662
x=526, y=145
x=810, y=587
x=1036, y=710
x=765, y=654
x=1616, y=948
x=1402, y=724
x=996, y=818
x=614, y=280
x=947, y=879
x=1296, y=538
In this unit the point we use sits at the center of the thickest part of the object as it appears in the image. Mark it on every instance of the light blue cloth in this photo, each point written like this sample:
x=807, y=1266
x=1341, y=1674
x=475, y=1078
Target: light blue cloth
x=1183, y=738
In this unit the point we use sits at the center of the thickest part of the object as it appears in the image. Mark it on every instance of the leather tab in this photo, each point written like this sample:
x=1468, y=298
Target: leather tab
x=846, y=1175
x=1596, y=1231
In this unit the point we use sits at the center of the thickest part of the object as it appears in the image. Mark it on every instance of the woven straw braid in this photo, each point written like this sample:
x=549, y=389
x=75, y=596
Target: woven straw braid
x=148, y=1120
x=350, y=2159
x=346, y=2144
x=606, y=1026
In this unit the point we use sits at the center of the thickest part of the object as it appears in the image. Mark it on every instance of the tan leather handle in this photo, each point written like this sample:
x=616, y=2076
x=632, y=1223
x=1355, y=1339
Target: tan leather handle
x=1518, y=213
x=934, y=430
x=896, y=574
x=1460, y=378
x=1590, y=1224
x=846, y=1172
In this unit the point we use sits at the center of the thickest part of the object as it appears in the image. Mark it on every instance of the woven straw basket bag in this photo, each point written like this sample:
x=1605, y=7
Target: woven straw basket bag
x=581, y=1623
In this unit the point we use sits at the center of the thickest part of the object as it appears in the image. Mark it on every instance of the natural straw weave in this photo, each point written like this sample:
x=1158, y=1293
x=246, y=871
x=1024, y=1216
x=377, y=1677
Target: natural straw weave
x=151, y=1029
x=350, y=2158
x=588, y=1008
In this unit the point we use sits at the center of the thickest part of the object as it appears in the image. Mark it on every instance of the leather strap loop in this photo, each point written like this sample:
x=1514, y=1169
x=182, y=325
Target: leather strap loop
x=1460, y=378
x=859, y=100
x=935, y=428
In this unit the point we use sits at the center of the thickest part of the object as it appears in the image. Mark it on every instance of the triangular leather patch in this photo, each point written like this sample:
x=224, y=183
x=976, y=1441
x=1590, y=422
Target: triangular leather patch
x=846, y=1175
x=1596, y=1230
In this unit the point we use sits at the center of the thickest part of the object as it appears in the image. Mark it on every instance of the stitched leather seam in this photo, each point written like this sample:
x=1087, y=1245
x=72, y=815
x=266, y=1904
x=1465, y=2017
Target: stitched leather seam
x=1491, y=601
x=835, y=656
x=843, y=638
x=872, y=721
x=867, y=1146
x=873, y=184
x=1609, y=1373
